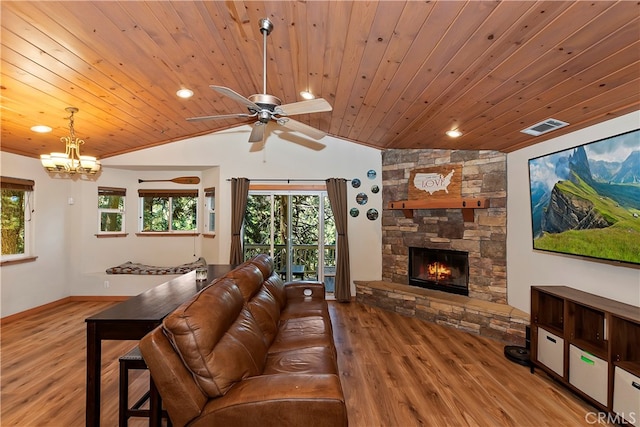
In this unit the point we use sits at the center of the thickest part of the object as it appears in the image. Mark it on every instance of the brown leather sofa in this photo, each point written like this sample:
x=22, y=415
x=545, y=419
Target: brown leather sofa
x=249, y=350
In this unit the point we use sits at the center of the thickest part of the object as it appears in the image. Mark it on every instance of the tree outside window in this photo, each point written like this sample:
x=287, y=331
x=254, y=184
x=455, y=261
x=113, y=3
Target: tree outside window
x=111, y=202
x=210, y=204
x=15, y=213
x=293, y=228
x=169, y=210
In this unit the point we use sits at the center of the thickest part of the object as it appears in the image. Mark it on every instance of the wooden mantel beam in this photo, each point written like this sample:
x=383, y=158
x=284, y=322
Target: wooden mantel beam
x=467, y=204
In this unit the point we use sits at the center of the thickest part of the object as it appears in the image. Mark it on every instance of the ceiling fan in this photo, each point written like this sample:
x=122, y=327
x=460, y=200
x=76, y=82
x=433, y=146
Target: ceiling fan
x=265, y=107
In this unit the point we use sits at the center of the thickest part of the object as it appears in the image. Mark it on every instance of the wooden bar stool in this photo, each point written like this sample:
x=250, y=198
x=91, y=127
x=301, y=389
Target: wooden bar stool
x=133, y=360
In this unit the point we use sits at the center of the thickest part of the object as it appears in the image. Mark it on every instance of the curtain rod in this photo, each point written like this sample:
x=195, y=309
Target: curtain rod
x=287, y=180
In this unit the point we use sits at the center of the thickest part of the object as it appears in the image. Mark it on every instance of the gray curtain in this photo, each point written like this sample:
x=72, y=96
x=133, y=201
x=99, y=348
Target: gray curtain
x=337, y=192
x=239, y=194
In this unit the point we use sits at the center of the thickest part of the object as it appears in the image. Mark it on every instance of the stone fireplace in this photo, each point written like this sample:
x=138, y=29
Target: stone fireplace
x=484, y=311
x=484, y=174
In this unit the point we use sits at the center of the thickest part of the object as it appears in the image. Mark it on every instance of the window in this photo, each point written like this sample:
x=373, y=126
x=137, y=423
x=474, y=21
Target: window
x=210, y=205
x=111, y=210
x=297, y=229
x=168, y=210
x=16, y=216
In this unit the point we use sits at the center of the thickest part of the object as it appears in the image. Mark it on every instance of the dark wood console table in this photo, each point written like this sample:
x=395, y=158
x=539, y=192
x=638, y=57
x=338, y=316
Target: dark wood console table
x=133, y=319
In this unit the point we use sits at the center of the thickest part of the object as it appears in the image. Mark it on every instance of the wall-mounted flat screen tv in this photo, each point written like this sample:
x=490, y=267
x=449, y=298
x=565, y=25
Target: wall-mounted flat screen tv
x=585, y=201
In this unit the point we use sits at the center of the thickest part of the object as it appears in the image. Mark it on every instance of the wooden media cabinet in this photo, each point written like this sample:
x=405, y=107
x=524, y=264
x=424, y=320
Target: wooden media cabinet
x=591, y=344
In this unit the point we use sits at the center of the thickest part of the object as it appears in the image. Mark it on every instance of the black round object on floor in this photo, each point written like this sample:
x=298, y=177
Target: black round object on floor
x=518, y=354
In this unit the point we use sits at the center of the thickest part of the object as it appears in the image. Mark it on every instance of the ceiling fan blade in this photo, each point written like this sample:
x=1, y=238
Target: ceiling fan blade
x=236, y=96
x=304, y=107
x=223, y=116
x=302, y=128
x=257, y=133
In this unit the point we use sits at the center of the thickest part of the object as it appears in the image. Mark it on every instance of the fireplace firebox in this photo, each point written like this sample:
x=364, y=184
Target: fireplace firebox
x=439, y=269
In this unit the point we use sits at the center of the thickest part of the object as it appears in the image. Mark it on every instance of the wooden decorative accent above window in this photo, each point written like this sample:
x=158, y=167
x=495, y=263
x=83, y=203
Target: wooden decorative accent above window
x=168, y=193
x=9, y=183
x=112, y=191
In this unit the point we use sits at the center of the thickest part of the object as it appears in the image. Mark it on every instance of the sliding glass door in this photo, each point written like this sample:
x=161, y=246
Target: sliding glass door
x=297, y=229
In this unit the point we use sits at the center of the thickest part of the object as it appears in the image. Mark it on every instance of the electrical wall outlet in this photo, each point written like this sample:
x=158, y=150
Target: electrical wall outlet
x=106, y=284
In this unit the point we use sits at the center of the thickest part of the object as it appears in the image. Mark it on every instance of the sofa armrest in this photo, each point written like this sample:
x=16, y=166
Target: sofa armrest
x=280, y=399
x=179, y=392
x=304, y=289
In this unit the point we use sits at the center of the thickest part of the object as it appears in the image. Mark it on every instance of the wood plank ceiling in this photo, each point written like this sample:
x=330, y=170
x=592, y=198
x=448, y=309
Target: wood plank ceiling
x=398, y=74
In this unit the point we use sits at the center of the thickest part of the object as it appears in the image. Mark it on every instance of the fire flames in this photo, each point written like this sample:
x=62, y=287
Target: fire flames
x=438, y=271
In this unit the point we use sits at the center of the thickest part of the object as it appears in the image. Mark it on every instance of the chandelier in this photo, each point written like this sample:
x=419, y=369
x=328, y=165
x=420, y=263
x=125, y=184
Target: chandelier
x=70, y=162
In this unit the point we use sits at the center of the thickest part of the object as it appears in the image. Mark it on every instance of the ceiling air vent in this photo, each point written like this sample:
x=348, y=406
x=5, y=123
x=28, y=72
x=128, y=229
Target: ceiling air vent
x=544, y=127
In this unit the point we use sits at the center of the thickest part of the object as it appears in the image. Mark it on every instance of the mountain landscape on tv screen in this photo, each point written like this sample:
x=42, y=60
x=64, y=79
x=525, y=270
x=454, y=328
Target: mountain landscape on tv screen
x=586, y=200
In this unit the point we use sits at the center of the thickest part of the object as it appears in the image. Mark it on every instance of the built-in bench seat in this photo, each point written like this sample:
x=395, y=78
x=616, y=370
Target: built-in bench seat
x=144, y=269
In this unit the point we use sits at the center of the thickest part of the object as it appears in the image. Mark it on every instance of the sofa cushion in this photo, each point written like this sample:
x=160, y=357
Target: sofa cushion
x=217, y=338
x=311, y=360
x=264, y=308
x=303, y=332
x=264, y=262
x=276, y=286
x=304, y=308
x=248, y=278
x=277, y=401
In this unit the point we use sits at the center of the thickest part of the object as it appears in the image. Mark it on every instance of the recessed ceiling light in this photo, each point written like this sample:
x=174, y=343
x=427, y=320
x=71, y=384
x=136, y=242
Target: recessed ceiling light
x=185, y=93
x=41, y=129
x=307, y=95
x=454, y=133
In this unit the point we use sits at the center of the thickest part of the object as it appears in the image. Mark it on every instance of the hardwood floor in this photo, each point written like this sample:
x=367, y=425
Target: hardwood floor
x=400, y=371
x=396, y=371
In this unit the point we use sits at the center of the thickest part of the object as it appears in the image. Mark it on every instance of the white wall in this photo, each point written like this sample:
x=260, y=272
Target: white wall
x=526, y=267
x=72, y=260
x=92, y=256
x=281, y=158
x=23, y=286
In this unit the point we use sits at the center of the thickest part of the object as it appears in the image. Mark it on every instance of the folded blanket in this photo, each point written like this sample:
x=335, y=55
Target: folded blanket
x=136, y=268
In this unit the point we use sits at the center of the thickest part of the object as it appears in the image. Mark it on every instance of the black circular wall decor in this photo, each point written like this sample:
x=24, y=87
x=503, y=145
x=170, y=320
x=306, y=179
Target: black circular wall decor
x=362, y=199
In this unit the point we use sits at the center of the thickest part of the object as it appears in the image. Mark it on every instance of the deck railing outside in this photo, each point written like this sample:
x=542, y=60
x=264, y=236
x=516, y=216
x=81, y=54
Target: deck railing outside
x=302, y=255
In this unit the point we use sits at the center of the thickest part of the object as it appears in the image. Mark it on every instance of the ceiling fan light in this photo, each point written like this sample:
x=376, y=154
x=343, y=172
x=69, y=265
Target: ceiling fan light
x=307, y=95
x=41, y=129
x=454, y=133
x=185, y=93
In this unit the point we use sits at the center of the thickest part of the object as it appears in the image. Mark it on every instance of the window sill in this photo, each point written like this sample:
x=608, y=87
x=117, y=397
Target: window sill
x=208, y=235
x=164, y=234
x=104, y=235
x=18, y=260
